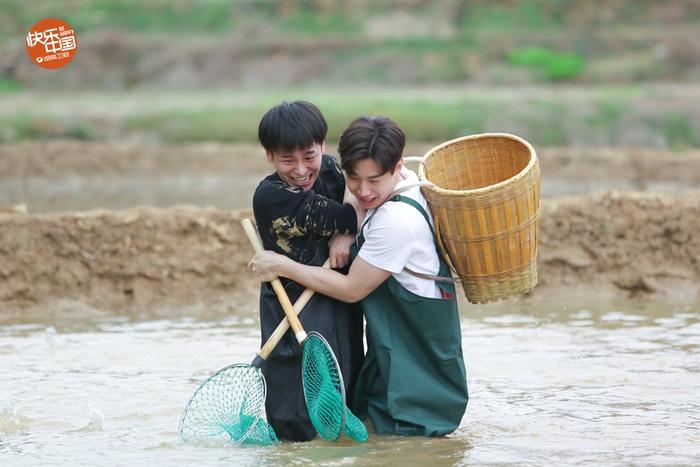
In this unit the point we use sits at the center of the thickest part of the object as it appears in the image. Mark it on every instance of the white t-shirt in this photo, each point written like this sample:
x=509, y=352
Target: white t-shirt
x=397, y=237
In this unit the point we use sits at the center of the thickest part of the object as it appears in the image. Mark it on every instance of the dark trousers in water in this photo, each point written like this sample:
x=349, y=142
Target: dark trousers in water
x=339, y=323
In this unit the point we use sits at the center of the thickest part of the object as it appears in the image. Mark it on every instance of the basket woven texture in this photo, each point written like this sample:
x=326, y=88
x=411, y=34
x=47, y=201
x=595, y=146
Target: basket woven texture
x=486, y=208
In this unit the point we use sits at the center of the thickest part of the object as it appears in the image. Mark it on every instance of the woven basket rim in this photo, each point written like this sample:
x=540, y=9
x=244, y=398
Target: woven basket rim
x=484, y=189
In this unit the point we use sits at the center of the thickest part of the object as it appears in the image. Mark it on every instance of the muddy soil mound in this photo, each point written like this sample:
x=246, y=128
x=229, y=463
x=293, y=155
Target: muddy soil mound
x=611, y=245
x=128, y=261
x=621, y=245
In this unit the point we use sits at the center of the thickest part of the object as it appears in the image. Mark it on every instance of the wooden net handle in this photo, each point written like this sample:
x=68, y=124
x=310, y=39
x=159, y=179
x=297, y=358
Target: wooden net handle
x=299, y=305
x=299, y=332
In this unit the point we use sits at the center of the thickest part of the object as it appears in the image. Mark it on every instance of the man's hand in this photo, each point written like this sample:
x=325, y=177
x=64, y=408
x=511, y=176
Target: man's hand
x=339, y=246
x=267, y=265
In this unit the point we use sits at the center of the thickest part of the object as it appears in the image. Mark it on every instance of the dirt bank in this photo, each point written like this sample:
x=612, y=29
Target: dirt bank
x=135, y=260
x=616, y=245
x=610, y=245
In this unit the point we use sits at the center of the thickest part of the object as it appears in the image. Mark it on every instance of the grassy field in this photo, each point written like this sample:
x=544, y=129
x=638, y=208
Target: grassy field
x=343, y=16
x=651, y=116
x=556, y=72
x=418, y=42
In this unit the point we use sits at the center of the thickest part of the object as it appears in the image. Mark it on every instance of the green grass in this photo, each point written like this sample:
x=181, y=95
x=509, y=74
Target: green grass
x=310, y=22
x=558, y=40
x=678, y=130
x=432, y=60
x=39, y=127
x=145, y=16
x=209, y=125
x=607, y=119
x=554, y=65
x=9, y=86
x=311, y=17
x=421, y=119
x=514, y=15
x=422, y=116
x=560, y=118
x=545, y=123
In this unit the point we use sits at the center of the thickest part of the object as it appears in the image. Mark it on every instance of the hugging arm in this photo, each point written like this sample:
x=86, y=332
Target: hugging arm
x=362, y=279
x=340, y=243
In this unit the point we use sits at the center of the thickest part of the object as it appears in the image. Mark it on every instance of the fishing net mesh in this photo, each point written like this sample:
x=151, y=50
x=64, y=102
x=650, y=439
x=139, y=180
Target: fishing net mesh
x=228, y=408
x=354, y=428
x=324, y=392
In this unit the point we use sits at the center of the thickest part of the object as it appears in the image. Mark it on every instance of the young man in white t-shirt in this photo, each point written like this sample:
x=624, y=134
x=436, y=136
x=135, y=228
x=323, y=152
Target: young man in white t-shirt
x=398, y=239
x=413, y=380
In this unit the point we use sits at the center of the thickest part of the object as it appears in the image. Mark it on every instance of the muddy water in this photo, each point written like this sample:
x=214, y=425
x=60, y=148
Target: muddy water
x=605, y=385
x=221, y=191
x=81, y=194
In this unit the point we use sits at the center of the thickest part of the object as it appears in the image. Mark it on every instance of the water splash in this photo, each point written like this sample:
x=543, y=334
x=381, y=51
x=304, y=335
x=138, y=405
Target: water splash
x=11, y=422
x=97, y=419
x=52, y=337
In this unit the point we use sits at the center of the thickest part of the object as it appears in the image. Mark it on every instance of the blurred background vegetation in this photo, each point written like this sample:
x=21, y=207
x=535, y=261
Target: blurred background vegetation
x=557, y=72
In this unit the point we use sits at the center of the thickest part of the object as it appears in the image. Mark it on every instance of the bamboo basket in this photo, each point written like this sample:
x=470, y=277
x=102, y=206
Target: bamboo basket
x=484, y=194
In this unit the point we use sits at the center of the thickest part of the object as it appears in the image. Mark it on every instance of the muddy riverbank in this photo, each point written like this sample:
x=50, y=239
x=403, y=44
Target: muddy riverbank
x=69, y=175
x=610, y=246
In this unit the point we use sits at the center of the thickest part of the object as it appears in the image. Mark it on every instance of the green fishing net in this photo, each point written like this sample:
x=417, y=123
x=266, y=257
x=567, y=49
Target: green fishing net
x=354, y=428
x=325, y=394
x=228, y=408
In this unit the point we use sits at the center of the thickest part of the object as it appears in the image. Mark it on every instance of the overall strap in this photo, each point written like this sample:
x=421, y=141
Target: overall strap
x=443, y=265
x=404, y=199
x=441, y=280
x=360, y=238
x=416, y=204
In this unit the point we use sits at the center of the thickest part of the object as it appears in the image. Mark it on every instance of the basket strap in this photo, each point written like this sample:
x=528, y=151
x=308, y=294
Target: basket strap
x=451, y=280
x=446, y=256
x=409, y=186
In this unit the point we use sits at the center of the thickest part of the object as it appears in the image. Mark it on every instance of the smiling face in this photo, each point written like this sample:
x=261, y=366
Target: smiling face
x=298, y=168
x=370, y=185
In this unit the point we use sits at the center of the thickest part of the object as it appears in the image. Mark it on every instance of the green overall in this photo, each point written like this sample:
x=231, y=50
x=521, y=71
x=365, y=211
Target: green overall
x=413, y=380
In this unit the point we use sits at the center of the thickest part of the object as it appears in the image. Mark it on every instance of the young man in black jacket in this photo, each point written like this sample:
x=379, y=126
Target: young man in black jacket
x=300, y=213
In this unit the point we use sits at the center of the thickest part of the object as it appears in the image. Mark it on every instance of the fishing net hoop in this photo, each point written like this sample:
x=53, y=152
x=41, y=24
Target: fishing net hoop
x=330, y=356
x=258, y=413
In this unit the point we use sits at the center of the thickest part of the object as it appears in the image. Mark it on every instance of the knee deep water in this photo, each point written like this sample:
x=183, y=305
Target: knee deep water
x=612, y=384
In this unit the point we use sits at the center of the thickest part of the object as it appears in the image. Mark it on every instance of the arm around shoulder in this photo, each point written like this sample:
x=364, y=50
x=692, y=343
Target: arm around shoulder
x=362, y=279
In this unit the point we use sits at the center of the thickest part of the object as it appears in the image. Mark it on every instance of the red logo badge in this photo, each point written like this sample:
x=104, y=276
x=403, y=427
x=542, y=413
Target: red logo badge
x=51, y=43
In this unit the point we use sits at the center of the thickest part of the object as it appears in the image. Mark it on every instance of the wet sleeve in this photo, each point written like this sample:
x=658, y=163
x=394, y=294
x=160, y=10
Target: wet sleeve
x=311, y=213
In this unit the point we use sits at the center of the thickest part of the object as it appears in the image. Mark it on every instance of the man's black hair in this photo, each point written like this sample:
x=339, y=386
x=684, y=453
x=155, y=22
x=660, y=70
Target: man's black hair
x=378, y=138
x=292, y=125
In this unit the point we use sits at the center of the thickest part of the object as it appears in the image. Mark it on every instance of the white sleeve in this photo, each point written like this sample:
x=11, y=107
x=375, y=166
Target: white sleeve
x=388, y=241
